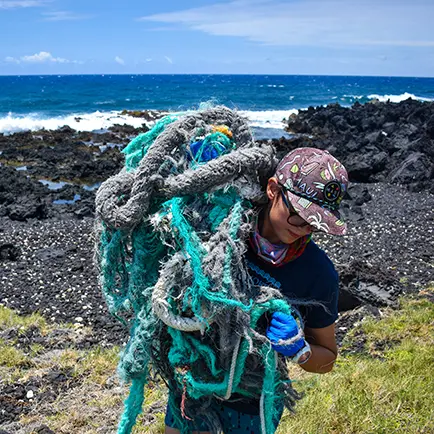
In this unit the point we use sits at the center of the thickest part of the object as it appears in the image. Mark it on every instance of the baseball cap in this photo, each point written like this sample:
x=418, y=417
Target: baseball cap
x=315, y=183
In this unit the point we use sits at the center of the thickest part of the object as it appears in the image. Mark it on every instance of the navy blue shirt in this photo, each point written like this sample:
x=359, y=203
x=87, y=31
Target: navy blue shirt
x=310, y=277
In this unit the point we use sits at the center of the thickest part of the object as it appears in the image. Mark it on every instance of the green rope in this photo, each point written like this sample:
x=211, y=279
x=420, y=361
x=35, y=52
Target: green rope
x=133, y=406
x=138, y=147
x=130, y=267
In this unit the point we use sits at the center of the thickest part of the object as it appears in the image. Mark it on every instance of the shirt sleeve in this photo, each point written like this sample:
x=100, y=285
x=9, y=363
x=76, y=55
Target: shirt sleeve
x=325, y=292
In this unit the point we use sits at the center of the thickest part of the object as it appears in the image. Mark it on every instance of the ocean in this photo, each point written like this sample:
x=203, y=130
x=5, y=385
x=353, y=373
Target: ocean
x=95, y=102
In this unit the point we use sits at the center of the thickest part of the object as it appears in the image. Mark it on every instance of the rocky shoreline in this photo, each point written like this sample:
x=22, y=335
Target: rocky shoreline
x=377, y=142
x=47, y=264
x=48, y=181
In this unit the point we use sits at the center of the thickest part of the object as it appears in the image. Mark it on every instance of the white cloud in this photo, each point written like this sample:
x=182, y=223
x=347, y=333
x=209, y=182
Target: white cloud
x=149, y=59
x=169, y=59
x=334, y=23
x=18, y=4
x=63, y=16
x=119, y=60
x=11, y=60
x=41, y=57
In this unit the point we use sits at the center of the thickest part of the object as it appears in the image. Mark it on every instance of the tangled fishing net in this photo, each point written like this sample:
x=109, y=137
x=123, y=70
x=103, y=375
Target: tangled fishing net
x=171, y=234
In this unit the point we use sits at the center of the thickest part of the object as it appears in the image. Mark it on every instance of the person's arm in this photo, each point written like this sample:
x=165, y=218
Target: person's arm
x=324, y=349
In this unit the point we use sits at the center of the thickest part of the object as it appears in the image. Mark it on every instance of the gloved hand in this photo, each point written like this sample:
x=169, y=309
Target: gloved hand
x=285, y=327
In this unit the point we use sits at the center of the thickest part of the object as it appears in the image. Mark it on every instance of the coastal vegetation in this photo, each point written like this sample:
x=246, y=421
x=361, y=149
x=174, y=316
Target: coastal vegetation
x=382, y=381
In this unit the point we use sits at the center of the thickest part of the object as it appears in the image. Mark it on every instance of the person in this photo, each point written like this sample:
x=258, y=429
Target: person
x=303, y=197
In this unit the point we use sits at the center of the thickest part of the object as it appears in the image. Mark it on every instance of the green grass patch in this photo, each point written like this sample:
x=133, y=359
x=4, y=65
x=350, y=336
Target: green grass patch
x=36, y=349
x=413, y=320
x=99, y=364
x=95, y=365
x=387, y=389
x=11, y=357
x=9, y=319
x=391, y=393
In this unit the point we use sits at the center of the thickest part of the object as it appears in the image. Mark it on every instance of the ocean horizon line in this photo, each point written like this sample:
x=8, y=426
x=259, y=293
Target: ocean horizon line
x=197, y=74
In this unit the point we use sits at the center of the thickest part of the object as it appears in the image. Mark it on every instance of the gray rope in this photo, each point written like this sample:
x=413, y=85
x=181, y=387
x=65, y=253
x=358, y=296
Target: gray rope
x=125, y=202
x=140, y=186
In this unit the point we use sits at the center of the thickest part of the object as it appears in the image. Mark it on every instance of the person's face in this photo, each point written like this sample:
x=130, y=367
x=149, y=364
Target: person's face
x=284, y=222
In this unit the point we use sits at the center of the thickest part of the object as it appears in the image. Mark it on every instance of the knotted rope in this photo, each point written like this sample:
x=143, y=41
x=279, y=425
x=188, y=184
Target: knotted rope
x=171, y=234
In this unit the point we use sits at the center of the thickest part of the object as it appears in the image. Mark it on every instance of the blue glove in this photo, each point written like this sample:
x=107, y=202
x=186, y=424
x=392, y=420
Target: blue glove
x=284, y=327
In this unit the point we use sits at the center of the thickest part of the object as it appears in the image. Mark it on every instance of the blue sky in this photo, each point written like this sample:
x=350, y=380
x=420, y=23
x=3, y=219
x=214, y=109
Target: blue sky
x=336, y=37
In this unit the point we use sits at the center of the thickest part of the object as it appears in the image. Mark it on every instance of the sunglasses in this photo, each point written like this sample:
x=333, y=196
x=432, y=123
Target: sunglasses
x=294, y=218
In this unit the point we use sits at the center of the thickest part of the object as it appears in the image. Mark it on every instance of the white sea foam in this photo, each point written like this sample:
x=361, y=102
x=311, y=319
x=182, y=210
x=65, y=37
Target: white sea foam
x=398, y=98
x=103, y=120
x=353, y=96
x=80, y=122
x=268, y=118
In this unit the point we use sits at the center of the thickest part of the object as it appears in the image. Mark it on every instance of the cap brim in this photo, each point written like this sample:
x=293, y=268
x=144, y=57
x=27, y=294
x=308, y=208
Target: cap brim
x=324, y=220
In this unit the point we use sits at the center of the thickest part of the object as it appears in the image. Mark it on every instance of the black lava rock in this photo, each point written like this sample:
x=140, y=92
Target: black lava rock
x=376, y=142
x=9, y=252
x=43, y=429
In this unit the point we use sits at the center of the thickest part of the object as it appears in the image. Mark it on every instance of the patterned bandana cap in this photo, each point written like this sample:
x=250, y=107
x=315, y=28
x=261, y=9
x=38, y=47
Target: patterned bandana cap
x=315, y=184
